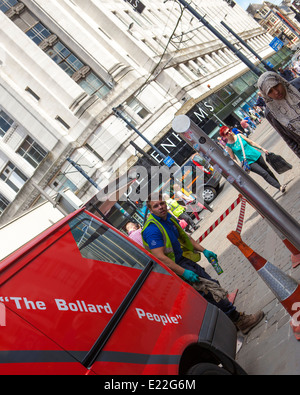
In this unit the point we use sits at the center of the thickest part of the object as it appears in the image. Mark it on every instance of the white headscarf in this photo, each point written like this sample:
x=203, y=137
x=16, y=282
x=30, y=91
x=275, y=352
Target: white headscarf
x=286, y=111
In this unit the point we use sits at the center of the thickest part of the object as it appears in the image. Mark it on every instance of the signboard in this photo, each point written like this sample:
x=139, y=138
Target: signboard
x=169, y=161
x=276, y=44
x=172, y=146
x=137, y=5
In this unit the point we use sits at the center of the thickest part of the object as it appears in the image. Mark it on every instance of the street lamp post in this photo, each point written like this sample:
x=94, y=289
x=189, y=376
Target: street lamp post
x=242, y=57
x=266, y=66
x=120, y=115
x=239, y=179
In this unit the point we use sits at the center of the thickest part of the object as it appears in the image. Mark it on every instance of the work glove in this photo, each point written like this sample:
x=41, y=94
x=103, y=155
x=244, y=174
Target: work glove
x=190, y=276
x=209, y=254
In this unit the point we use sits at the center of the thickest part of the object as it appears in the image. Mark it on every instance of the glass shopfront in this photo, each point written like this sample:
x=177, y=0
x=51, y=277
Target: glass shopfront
x=231, y=103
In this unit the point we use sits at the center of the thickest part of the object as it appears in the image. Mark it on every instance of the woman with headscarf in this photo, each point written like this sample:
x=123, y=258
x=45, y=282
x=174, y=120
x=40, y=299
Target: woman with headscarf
x=282, y=107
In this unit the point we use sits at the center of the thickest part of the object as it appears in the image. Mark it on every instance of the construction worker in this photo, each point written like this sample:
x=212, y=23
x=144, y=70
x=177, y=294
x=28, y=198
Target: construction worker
x=179, y=212
x=168, y=242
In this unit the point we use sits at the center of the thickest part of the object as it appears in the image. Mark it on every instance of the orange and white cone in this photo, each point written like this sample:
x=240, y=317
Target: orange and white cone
x=285, y=288
x=295, y=257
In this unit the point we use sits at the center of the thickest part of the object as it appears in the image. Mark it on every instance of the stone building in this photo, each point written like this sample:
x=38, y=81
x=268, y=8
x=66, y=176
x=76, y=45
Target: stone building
x=64, y=65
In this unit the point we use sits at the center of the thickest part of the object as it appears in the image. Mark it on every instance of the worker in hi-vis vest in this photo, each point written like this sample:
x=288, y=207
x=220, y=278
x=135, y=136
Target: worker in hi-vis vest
x=179, y=212
x=168, y=242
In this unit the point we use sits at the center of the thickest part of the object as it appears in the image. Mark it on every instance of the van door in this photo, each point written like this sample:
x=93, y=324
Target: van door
x=103, y=300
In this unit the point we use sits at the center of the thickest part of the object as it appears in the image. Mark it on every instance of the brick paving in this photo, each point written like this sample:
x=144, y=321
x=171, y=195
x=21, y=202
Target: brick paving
x=271, y=347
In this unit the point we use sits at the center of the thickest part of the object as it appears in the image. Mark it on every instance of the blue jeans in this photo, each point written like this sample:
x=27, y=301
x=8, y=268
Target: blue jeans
x=227, y=307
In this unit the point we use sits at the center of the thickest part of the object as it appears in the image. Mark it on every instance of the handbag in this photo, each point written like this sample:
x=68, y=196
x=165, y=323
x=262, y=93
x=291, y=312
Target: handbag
x=245, y=164
x=279, y=164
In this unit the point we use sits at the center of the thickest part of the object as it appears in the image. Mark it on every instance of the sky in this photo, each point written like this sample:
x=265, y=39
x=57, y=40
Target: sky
x=244, y=3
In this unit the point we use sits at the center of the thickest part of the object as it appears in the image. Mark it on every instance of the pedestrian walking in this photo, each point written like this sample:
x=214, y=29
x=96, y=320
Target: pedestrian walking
x=246, y=150
x=282, y=107
x=246, y=128
x=254, y=116
x=260, y=101
x=259, y=111
x=168, y=242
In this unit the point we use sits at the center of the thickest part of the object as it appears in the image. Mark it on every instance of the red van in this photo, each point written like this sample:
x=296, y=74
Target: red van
x=81, y=298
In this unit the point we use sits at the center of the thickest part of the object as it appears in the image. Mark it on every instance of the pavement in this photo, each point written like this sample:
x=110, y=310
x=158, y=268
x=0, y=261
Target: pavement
x=271, y=347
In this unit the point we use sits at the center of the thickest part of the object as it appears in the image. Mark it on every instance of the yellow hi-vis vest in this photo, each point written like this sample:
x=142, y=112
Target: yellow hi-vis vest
x=175, y=207
x=186, y=244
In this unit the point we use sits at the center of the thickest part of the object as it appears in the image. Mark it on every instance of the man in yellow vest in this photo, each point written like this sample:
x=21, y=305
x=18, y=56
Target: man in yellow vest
x=179, y=212
x=168, y=242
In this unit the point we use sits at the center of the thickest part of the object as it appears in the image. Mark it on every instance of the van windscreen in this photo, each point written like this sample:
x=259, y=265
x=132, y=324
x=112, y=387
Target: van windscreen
x=98, y=242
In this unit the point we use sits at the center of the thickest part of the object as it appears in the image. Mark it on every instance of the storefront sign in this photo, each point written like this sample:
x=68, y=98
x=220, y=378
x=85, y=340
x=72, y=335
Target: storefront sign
x=137, y=5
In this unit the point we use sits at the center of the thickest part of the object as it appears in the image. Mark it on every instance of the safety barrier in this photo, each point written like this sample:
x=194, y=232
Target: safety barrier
x=295, y=256
x=223, y=216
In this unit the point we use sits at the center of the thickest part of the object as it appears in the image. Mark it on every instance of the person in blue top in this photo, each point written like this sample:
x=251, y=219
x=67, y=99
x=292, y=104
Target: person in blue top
x=168, y=242
x=253, y=156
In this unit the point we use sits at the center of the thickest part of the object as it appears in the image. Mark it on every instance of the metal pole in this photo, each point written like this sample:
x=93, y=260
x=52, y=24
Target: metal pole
x=120, y=115
x=144, y=153
x=242, y=57
x=241, y=181
x=267, y=67
x=81, y=171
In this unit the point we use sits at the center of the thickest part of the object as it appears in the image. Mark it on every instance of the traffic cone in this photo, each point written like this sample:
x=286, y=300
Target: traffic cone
x=295, y=257
x=232, y=296
x=284, y=287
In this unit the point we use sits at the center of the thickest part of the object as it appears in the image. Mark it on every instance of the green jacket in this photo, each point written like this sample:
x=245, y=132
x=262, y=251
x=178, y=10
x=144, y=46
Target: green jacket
x=186, y=244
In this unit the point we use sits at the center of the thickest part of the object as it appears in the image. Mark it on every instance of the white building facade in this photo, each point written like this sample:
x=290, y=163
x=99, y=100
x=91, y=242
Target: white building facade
x=65, y=64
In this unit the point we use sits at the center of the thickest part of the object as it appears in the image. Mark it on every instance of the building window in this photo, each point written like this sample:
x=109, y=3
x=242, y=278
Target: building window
x=13, y=177
x=38, y=33
x=6, y=5
x=250, y=78
x=65, y=58
x=32, y=93
x=93, y=85
x=62, y=122
x=274, y=19
x=3, y=203
x=57, y=51
x=137, y=107
x=5, y=123
x=32, y=152
x=62, y=182
x=264, y=11
x=239, y=85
